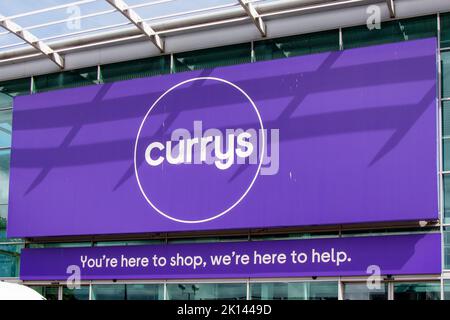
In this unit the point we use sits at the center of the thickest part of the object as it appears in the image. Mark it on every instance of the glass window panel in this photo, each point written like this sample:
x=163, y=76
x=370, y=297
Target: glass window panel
x=446, y=135
x=135, y=69
x=3, y=223
x=206, y=291
x=446, y=153
x=296, y=45
x=66, y=79
x=61, y=245
x=360, y=291
x=5, y=128
x=294, y=291
x=9, y=260
x=4, y=175
x=214, y=57
x=445, y=56
x=446, y=289
x=390, y=31
x=3, y=216
x=81, y=293
x=48, y=292
x=11, y=89
x=128, y=243
x=446, y=198
x=144, y=291
x=417, y=291
x=108, y=292
x=445, y=30
x=6, y=101
x=208, y=239
x=446, y=247
x=306, y=235
x=128, y=292
x=446, y=119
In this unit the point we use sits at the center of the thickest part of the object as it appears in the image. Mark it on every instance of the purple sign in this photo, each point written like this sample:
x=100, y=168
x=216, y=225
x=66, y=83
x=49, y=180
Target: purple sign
x=331, y=138
x=407, y=254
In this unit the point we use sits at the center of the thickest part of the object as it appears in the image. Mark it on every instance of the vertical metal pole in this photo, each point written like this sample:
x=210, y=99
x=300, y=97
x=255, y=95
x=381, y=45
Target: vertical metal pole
x=172, y=63
x=32, y=85
x=390, y=290
x=340, y=289
x=252, y=52
x=99, y=75
x=60, y=292
x=248, y=288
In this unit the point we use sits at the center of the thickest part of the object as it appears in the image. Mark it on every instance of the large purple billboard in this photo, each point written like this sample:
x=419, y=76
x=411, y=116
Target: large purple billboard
x=331, y=138
x=354, y=256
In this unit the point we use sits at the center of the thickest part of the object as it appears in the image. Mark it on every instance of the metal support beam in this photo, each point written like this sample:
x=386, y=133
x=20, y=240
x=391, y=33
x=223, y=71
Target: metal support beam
x=254, y=15
x=31, y=39
x=391, y=7
x=134, y=18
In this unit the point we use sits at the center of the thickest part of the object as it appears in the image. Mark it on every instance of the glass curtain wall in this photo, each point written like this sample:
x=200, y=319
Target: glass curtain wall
x=9, y=248
x=351, y=37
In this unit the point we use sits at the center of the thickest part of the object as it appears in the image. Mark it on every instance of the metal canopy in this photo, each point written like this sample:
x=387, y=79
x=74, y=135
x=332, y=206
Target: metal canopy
x=254, y=15
x=54, y=28
x=134, y=18
x=32, y=40
x=391, y=8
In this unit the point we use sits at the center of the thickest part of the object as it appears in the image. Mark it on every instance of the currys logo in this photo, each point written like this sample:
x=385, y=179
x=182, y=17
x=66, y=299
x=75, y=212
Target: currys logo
x=200, y=149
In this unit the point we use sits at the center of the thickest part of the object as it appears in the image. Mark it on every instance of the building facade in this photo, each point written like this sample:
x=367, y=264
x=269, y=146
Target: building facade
x=340, y=285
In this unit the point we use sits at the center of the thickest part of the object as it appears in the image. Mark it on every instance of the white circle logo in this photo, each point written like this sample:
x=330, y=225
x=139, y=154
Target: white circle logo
x=138, y=155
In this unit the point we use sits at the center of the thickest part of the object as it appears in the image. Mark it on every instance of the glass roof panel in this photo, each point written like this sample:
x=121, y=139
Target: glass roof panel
x=55, y=20
x=175, y=7
x=70, y=12
x=7, y=39
x=14, y=7
x=87, y=23
x=87, y=32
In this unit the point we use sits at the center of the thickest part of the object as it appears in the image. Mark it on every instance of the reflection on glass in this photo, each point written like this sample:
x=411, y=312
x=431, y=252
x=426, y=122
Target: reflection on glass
x=417, y=291
x=360, y=291
x=81, y=293
x=48, y=292
x=445, y=65
x=446, y=289
x=446, y=198
x=446, y=234
x=206, y=291
x=128, y=243
x=9, y=260
x=446, y=153
x=4, y=175
x=294, y=291
x=5, y=127
x=145, y=291
x=3, y=215
x=61, y=245
x=128, y=292
x=108, y=292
